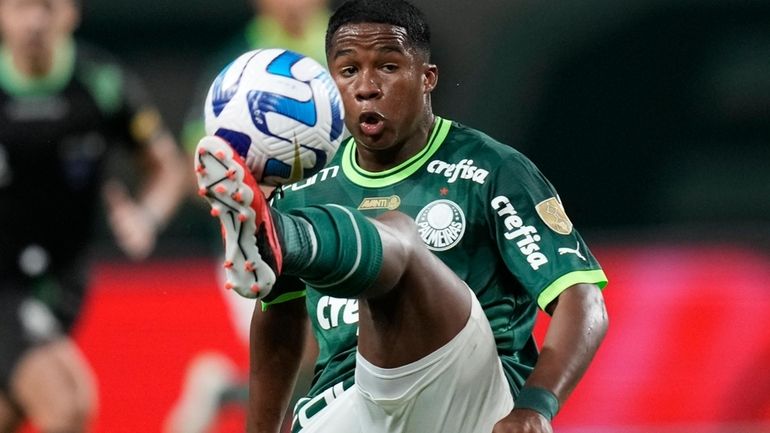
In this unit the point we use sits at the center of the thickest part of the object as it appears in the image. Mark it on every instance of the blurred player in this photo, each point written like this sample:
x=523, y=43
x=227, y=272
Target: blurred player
x=64, y=107
x=212, y=378
x=401, y=346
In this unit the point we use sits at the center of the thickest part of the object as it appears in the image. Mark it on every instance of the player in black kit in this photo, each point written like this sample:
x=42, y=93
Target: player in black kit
x=63, y=108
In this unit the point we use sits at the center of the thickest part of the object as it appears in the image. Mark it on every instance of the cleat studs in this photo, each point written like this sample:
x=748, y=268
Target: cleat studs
x=220, y=189
x=227, y=264
x=238, y=196
x=215, y=212
x=201, y=151
x=220, y=154
x=230, y=174
x=202, y=191
x=200, y=169
x=229, y=285
x=242, y=217
x=249, y=266
x=255, y=288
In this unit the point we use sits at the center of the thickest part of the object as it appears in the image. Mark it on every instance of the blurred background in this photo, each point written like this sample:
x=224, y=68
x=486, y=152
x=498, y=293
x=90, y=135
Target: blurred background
x=651, y=118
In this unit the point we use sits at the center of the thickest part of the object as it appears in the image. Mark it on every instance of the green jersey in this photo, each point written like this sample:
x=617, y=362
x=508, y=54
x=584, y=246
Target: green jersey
x=485, y=210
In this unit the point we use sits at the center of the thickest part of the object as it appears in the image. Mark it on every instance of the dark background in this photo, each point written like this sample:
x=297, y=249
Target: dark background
x=652, y=118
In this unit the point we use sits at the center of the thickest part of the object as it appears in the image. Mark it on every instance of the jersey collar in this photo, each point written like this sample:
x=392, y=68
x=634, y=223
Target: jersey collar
x=17, y=84
x=370, y=179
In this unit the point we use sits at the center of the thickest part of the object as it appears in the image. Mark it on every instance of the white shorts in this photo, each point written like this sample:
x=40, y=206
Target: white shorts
x=459, y=388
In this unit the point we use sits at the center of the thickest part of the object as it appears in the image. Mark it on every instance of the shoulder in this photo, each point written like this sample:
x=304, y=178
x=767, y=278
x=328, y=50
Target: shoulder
x=325, y=184
x=91, y=59
x=102, y=74
x=484, y=149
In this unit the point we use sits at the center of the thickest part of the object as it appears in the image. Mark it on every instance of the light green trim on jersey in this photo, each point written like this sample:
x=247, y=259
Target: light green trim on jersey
x=105, y=81
x=369, y=179
x=286, y=297
x=551, y=292
x=17, y=84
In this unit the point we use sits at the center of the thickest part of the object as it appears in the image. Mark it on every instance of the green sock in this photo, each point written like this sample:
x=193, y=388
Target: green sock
x=298, y=241
x=334, y=249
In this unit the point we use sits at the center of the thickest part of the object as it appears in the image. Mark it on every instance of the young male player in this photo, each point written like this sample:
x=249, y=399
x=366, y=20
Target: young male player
x=421, y=207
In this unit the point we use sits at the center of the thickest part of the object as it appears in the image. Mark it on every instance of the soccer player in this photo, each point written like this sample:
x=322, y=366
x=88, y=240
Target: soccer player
x=64, y=107
x=413, y=210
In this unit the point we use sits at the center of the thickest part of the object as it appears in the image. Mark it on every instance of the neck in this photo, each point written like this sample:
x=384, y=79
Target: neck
x=381, y=160
x=295, y=25
x=32, y=66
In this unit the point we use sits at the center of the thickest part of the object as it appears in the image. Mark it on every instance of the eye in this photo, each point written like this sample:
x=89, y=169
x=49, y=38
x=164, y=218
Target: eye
x=347, y=71
x=390, y=67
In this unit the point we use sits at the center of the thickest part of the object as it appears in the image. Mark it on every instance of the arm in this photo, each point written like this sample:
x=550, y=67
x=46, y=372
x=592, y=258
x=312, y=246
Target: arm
x=277, y=342
x=578, y=325
x=136, y=223
x=166, y=184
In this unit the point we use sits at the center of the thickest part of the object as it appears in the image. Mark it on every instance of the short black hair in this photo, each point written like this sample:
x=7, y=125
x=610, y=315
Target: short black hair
x=399, y=13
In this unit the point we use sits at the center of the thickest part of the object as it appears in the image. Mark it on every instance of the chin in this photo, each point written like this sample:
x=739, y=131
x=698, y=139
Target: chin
x=371, y=142
x=365, y=140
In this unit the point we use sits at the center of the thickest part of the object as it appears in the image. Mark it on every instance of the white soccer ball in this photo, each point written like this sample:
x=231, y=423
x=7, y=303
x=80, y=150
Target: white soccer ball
x=280, y=111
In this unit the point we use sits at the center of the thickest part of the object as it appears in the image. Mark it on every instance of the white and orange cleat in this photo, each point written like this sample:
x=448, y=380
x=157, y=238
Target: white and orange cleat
x=253, y=256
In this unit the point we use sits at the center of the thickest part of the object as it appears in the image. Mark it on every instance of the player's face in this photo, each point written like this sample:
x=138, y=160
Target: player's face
x=32, y=29
x=385, y=85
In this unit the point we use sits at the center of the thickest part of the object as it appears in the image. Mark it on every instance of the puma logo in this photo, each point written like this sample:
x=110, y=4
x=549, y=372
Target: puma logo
x=575, y=251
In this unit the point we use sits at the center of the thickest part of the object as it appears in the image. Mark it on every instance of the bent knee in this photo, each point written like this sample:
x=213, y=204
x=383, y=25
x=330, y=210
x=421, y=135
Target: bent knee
x=58, y=410
x=62, y=418
x=397, y=220
x=53, y=393
x=402, y=227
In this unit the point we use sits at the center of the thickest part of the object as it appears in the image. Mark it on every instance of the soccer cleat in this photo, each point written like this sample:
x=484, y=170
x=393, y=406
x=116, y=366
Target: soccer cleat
x=253, y=254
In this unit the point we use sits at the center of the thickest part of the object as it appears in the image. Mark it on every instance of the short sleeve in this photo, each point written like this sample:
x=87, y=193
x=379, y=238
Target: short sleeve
x=534, y=235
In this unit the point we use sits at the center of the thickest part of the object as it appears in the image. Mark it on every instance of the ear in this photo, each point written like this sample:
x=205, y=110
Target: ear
x=430, y=77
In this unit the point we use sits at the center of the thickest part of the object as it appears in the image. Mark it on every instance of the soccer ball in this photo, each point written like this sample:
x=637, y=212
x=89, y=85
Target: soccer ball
x=280, y=111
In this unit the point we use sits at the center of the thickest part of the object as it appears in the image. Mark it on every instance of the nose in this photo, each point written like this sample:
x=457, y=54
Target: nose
x=368, y=87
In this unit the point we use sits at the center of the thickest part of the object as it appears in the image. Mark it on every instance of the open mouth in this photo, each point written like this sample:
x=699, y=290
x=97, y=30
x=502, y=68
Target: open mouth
x=371, y=123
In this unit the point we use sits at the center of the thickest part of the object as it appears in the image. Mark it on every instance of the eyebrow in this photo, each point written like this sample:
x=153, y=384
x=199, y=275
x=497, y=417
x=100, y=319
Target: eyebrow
x=341, y=53
x=390, y=48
